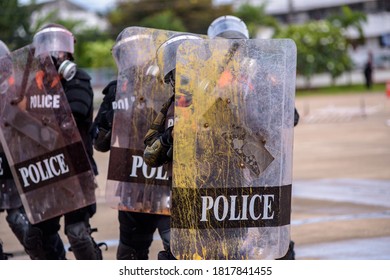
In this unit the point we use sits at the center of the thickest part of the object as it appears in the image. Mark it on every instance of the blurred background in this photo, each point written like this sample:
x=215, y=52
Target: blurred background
x=334, y=37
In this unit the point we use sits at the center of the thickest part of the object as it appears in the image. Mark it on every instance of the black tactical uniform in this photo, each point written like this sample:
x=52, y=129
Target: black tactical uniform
x=135, y=229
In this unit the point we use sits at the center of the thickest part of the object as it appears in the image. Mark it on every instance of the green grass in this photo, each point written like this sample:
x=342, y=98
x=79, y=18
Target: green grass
x=334, y=90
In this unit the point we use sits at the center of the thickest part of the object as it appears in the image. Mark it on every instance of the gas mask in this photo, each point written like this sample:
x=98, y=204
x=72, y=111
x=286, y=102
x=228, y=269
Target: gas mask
x=66, y=68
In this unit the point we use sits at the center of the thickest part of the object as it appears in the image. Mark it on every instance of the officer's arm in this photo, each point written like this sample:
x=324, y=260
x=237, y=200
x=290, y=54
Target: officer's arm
x=158, y=140
x=102, y=124
x=80, y=102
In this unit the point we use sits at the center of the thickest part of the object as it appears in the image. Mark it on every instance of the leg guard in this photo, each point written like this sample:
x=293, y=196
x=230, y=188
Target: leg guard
x=136, y=233
x=33, y=244
x=125, y=252
x=54, y=247
x=82, y=244
x=164, y=229
x=41, y=247
x=18, y=222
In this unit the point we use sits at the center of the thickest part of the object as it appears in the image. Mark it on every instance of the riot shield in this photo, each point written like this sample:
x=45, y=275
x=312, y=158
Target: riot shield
x=41, y=141
x=233, y=140
x=131, y=184
x=9, y=196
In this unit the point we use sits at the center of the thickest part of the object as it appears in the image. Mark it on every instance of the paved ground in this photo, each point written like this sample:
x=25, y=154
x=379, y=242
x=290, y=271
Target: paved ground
x=341, y=188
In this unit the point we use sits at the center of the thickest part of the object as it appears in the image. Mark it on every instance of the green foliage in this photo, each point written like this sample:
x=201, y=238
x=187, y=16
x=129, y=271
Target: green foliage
x=179, y=15
x=321, y=48
x=96, y=54
x=255, y=17
x=89, y=50
x=350, y=19
x=164, y=20
x=14, y=24
x=345, y=89
x=40, y=22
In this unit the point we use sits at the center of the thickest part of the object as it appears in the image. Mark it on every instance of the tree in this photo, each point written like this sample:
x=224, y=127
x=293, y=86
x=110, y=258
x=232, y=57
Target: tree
x=192, y=16
x=14, y=24
x=96, y=54
x=164, y=20
x=255, y=17
x=349, y=19
x=321, y=48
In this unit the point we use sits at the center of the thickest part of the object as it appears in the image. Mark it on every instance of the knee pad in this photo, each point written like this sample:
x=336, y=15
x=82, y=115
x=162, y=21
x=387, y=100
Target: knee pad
x=43, y=247
x=18, y=222
x=82, y=244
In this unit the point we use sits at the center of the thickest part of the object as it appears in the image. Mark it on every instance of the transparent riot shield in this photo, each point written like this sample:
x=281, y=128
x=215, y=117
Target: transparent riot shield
x=131, y=184
x=9, y=196
x=233, y=141
x=41, y=141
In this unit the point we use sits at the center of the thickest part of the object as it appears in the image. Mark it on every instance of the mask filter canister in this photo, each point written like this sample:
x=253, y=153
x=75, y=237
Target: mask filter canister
x=67, y=70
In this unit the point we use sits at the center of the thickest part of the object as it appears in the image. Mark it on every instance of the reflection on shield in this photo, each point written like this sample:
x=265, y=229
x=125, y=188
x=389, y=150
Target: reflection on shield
x=131, y=184
x=232, y=165
x=9, y=196
x=41, y=140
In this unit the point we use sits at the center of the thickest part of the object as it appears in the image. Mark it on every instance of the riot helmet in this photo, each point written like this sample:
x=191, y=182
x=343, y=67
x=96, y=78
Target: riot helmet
x=132, y=50
x=166, y=55
x=59, y=42
x=228, y=27
x=3, y=49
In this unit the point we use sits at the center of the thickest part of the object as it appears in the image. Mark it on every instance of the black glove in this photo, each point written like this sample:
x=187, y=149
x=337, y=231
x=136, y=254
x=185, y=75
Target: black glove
x=102, y=142
x=105, y=115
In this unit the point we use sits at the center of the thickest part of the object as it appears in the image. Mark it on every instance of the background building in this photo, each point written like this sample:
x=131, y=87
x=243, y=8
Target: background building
x=376, y=30
x=68, y=10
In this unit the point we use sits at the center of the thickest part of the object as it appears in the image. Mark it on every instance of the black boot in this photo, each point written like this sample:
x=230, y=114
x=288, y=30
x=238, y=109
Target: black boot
x=165, y=255
x=290, y=255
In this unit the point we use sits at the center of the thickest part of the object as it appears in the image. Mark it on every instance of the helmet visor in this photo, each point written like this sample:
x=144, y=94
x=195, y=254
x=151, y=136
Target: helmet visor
x=228, y=27
x=3, y=49
x=53, y=39
x=166, y=53
x=134, y=50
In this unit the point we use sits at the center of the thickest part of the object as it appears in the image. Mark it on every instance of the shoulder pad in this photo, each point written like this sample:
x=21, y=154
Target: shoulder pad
x=82, y=75
x=109, y=88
